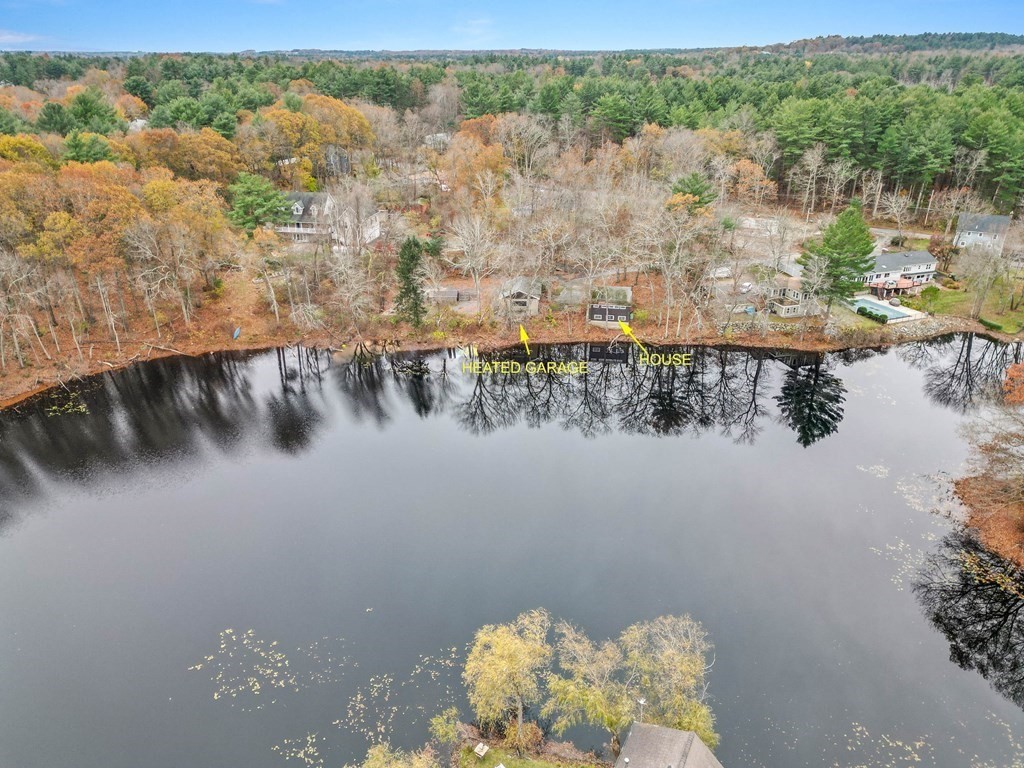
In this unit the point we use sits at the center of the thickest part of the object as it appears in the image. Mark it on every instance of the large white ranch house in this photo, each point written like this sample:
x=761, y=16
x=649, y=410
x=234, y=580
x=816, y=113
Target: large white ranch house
x=900, y=273
x=892, y=274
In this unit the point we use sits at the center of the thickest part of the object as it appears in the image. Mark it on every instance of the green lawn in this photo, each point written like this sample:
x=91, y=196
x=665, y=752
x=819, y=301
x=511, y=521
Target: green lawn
x=845, y=317
x=958, y=304
x=495, y=756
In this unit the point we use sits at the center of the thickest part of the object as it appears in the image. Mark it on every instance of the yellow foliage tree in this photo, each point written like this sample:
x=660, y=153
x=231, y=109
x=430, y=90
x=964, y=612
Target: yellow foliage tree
x=505, y=668
x=25, y=149
x=471, y=166
x=130, y=107
x=751, y=185
x=340, y=124
x=729, y=143
x=208, y=155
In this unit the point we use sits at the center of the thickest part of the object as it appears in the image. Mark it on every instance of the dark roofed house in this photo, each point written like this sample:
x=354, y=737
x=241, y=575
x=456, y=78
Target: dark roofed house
x=981, y=229
x=312, y=215
x=654, y=746
x=307, y=215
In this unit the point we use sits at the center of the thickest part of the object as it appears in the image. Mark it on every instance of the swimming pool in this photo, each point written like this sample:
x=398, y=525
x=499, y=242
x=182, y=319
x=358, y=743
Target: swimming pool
x=888, y=310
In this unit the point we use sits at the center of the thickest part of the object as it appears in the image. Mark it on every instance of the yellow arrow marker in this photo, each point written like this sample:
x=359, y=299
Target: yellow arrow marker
x=629, y=332
x=525, y=338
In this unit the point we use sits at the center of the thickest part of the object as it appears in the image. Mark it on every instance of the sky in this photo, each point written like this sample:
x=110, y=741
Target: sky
x=236, y=25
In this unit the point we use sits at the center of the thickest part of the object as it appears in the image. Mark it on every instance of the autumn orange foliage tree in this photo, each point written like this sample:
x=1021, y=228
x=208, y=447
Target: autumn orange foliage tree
x=1013, y=385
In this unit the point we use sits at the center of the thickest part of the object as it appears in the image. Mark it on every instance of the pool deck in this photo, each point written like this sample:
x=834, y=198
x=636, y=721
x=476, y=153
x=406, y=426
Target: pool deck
x=911, y=314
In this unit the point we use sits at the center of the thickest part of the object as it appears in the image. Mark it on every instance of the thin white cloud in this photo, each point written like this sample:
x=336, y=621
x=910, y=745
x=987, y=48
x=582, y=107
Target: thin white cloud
x=8, y=37
x=475, y=31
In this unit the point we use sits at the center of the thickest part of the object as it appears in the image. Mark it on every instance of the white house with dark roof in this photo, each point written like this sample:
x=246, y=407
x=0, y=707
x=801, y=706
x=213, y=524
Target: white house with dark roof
x=901, y=272
x=981, y=230
x=312, y=215
x=654, y=746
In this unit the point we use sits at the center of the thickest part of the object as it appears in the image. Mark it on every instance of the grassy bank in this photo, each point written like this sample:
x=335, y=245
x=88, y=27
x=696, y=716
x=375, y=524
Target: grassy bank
x=497, y=756
x=956, y=302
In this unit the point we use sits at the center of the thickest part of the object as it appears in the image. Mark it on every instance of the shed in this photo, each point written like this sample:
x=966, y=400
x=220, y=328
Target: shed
x=654, y=746
x=520, y=296
x=441, y=295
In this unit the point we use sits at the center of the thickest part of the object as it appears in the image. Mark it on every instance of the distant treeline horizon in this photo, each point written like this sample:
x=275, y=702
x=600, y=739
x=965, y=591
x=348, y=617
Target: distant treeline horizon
x=878, y=43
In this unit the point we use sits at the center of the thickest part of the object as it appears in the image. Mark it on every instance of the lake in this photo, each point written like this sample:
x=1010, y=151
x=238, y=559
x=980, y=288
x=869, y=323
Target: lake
x=225, y=561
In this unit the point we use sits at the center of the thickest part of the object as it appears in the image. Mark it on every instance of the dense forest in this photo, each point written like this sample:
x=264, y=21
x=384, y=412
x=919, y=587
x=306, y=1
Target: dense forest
x=132, y=186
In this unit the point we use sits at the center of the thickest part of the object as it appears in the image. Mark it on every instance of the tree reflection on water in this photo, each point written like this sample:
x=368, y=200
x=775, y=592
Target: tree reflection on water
x=173, y=409
x=962, y=370
x=976, y=599
x=811, y=401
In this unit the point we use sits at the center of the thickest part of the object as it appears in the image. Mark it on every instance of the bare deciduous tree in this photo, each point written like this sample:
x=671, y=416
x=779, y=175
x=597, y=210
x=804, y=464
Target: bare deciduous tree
x=896, y=206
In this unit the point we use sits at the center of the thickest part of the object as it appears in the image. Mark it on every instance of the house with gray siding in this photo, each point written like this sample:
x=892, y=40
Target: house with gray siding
x=789, y=299
x=981, y=230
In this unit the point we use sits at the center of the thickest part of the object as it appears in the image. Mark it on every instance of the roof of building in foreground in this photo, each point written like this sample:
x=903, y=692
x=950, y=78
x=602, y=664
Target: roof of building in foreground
x=654, y=746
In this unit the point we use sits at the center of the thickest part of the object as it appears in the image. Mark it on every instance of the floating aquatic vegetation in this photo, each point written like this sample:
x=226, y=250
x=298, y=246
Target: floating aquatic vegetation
x=878, y=470
x=933, y=494
x=245, y=666
x=376, y=707
x=908, y=559
x=326, y=662
x=304, y=750
x=66, y=403
x=767, y=742
x=884, y=751
x=250, y=672
x=1014, y=761
x=929, y=494
x=369, y=712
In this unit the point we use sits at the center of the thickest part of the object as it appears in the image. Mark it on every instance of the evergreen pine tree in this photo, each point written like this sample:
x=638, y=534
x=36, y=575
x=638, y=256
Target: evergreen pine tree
x=695, y=185
x=842, y=258
x=410, y=304
x=88, y=148
x=256, y=202
x=54, y=118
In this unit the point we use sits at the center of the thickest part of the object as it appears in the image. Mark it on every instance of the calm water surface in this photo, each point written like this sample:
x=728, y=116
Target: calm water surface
x=178, y=536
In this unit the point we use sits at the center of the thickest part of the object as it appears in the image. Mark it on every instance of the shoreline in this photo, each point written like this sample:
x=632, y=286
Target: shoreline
x=1000, y=528
x=144, y=351
x=997, y=522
